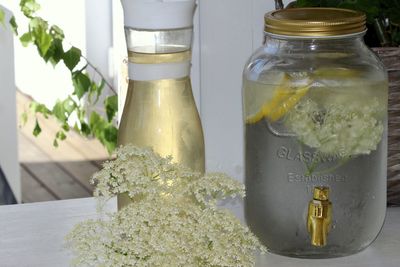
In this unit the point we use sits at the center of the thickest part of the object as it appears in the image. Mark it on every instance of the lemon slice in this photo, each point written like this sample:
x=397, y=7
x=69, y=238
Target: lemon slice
x=284, y=98
x=256, y=93
x=335, y=73
x=280, y=94
x=288, y=93
x=289, y=102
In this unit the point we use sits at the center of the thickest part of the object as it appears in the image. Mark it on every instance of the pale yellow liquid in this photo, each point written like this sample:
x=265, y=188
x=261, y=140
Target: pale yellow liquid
x=162, y=114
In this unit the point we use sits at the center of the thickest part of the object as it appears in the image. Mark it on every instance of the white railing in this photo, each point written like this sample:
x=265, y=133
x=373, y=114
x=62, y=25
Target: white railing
x=8, y=117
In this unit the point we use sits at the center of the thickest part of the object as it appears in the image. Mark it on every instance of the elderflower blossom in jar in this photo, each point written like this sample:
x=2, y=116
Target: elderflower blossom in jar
x=315, y=108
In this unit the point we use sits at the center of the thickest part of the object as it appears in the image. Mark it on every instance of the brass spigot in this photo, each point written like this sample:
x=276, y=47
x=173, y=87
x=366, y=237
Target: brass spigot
x=319, y=216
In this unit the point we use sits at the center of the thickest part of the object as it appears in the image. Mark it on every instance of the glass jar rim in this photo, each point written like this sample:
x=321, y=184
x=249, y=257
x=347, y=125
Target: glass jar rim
x=315, y=22
x=328, y=37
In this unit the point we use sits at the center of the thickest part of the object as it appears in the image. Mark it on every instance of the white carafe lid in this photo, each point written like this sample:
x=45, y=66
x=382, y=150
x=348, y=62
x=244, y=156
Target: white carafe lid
x=158, y=14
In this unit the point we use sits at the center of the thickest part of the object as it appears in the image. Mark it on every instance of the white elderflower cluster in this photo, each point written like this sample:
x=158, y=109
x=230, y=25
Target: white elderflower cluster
x=173, y=219
x=338, y=129
x=139, y=172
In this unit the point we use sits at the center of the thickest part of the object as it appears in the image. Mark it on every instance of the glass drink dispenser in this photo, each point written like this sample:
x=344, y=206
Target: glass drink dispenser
x=315, y=111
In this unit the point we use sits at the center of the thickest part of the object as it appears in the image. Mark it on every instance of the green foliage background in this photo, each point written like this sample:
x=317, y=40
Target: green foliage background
x=49, y=41
x=388, y=11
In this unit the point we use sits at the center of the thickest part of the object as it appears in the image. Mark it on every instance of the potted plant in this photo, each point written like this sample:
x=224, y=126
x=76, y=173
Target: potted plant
x=383, y=37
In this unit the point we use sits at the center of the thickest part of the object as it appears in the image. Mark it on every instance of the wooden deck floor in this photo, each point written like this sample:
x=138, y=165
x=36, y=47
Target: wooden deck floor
x=49, y=173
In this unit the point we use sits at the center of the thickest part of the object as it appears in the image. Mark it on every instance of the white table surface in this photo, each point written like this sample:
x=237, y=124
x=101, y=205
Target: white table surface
x=33, y=235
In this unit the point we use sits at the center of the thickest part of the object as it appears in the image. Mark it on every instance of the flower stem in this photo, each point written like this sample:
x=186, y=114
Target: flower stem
x=333, y=168
x=309, y=168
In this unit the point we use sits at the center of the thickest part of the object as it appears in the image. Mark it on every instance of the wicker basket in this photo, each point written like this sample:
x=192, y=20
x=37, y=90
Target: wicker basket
x=391, y=58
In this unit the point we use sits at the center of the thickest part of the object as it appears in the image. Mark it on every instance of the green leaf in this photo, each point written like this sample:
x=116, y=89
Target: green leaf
x=40, y=108
x=55, y=142
x=14, y=25
x=370, y=7
x=61, y=135
x=85, y=129
x=55, y=52
x=24, y=118
x=396, y=36
x=81, y=114
x=43, y=41
x=2, y=17
x=309, y=3
x=333, y=3
x=81, y=83
x=105, y=132
x=69, y=105
x=29, y=7
x=37, y=130
x=59, y=111
x=101, y=87
x=110, y=146
x=57, y=33
x=65, y=127
x=72, y=57
x=96, y=89
x=40, y=36
x=110, y=136
x=92, y=91
x=26, y=38
x=63, y=109
x=76, y=127
x=111, y=104
x=111, y=133
x=37, y=23
x=96, y=123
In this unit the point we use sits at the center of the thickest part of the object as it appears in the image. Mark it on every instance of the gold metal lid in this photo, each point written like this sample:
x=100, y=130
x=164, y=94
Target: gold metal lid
x=318, y=22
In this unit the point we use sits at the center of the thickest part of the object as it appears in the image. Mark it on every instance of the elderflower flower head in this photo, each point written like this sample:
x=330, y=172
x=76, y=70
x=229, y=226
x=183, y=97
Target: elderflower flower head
x=338, y=129
x=138, y=171
x=174, y=222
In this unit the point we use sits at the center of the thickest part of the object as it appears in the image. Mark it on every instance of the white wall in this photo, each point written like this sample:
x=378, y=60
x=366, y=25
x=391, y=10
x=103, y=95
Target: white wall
x=8, y=118
x=99, y=44
x=230, y=30
x=98, y=23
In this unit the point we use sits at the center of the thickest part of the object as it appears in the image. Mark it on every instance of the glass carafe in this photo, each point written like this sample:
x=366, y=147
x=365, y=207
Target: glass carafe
x=315, y=108
x=160, y=111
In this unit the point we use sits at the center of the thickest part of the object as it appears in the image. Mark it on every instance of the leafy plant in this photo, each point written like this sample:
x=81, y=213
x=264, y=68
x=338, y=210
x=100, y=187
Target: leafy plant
x=2, y=16
x=383, y=17
x=49, y=41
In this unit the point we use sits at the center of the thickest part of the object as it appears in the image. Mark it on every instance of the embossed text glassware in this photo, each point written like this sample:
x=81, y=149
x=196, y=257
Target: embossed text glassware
x=315, y=112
